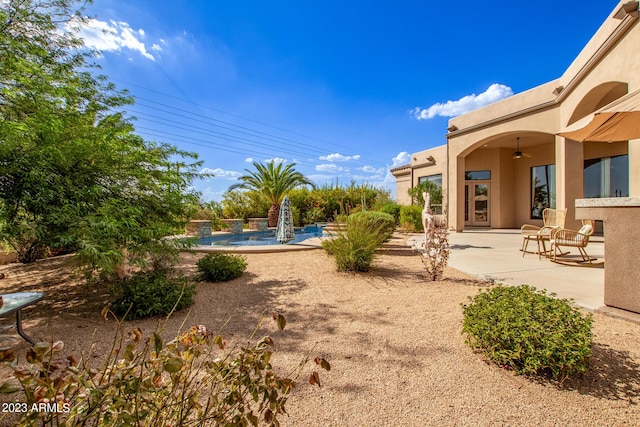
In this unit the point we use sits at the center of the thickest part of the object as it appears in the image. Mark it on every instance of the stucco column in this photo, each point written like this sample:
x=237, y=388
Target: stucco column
x=634, y=168
x=455, y=192
x=569, y=178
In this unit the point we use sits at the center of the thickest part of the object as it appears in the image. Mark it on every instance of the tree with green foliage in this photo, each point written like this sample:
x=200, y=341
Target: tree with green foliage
x=324, y=202
x=429, y=187
x=272, y=182
x=73, y=174
x=244, y=204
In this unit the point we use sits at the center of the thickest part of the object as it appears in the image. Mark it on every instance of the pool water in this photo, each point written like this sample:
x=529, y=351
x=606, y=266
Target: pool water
x=259, y=238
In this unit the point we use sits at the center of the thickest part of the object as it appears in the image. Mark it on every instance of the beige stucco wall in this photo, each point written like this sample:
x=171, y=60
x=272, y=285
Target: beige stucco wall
x=403, y=184
x=621, y=273
x=424, y=167
x=604, y=70
x=420, y=166
x=498, y=110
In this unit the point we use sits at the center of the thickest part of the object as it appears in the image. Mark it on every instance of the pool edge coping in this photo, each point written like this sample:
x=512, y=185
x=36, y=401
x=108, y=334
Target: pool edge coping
x=305, y=245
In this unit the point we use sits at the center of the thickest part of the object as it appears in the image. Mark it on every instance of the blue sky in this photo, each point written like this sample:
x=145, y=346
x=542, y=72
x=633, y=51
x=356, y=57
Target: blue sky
x=345, y=89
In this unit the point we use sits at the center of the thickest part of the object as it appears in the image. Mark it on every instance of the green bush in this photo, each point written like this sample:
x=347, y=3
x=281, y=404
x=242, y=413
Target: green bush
x=393, y=209
x=528, y=331
x=313, y=215
x=384, y=221
x=427, y=186
x=411, y=218
x=244, y=204
x=151, y=293
x=220, y=267
x=321, y=204
x=354, y=249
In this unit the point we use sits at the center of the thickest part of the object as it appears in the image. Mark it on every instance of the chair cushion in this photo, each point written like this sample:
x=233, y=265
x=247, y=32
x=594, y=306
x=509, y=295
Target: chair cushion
x=586, y=229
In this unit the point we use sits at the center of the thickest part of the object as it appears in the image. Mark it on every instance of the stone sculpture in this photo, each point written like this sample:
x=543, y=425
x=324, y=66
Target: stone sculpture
x=428, y=220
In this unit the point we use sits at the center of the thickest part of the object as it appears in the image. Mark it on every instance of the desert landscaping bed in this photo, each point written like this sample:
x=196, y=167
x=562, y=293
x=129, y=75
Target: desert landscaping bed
x=392, y=338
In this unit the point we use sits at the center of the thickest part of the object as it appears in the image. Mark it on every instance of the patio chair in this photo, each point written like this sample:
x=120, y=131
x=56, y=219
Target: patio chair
x=566, y=238
x=552, y=219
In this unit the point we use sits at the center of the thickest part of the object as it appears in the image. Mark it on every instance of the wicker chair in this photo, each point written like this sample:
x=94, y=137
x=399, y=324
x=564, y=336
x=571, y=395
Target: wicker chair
x=565, y=238
x=552, y=219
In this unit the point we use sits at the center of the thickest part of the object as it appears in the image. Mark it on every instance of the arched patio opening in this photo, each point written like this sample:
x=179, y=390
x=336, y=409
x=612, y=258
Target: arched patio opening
x=506, y=177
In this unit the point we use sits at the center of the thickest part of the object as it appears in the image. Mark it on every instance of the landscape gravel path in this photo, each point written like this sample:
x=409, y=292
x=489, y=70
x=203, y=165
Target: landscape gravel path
x=393, y=340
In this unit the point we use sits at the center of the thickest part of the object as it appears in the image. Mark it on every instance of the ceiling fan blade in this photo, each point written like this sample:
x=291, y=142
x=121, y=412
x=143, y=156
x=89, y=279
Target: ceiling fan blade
x=526, y=154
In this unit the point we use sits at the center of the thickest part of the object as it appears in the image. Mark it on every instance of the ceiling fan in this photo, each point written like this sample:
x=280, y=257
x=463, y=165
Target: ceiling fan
x=519, y=154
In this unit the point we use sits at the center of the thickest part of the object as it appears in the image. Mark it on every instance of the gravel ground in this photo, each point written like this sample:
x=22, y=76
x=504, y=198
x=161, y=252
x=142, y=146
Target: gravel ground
x=392, y=338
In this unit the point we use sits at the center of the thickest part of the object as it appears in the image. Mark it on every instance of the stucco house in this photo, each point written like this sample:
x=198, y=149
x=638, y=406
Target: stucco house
x=503, y=163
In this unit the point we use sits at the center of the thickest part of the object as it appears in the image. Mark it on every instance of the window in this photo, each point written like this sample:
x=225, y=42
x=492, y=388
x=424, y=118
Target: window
x=606, y=177
x=436, y=179
x=543, y=189
x=477, y=175
x=436, y=204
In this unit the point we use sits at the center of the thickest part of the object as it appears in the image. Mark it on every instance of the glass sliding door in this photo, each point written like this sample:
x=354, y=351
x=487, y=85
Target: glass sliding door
x=543, y=189
x=606, y=177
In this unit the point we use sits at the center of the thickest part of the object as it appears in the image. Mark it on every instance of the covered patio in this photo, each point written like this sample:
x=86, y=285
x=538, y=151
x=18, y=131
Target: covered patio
x=494, y=255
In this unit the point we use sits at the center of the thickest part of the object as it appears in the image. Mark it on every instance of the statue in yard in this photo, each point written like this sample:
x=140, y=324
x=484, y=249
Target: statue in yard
x=428, y=220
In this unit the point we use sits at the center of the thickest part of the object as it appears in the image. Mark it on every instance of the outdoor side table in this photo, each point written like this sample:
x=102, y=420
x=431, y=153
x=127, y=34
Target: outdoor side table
x=15, y=302
x=538, y=238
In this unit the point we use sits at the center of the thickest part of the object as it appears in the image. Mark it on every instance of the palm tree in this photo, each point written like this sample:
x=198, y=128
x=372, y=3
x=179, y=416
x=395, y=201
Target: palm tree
x=273, y=182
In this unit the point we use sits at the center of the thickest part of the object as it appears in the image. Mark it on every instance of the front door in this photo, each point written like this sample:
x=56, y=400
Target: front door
x=476, y=204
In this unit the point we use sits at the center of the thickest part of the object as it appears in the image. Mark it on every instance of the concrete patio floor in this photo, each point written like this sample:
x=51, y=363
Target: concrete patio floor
x=494, y=255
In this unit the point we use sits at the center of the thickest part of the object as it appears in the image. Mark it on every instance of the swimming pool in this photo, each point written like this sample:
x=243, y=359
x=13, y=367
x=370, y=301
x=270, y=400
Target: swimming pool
x=260, y=238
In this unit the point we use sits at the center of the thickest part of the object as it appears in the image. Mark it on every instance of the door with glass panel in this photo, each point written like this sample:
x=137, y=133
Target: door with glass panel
x=476, y=204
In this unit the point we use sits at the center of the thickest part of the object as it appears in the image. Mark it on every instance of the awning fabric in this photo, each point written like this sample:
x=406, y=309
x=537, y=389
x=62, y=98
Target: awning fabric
x=617, y=121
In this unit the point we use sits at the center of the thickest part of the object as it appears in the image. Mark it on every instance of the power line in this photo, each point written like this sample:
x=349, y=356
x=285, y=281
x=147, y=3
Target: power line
x=234, y=115
x=198, y=118
x=232, y=126
x=205, y=143
x=205, y=131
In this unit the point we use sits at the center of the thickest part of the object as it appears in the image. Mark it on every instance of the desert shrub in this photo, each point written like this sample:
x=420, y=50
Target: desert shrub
x=30, y=251
x=393, y=209
x=24, y=240
x=295, y=215
x=354, y=249
x=376, y=220
x=211, y=211
x=529, y=331
x=151, y=293
x=220, y=267
x=411, y=218
x=244, y=204
x=193, y=380
x=322, y=203
x=314, y=214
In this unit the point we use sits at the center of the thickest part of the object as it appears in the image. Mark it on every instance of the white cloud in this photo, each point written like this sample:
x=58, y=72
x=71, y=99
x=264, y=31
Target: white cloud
x=371, y=169
x=330, y=168
x=402, y=158
x=249, y=160
x=494, y=93
x=114, y=36
x=210, y=193
x=221, y=173
x=276, y=160
x=337, y=157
